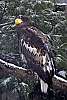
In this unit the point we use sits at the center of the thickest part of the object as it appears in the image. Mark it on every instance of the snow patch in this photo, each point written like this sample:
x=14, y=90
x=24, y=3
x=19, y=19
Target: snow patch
x=62, y=73
x=24, y=84
x=61, y=4
x=5, y=81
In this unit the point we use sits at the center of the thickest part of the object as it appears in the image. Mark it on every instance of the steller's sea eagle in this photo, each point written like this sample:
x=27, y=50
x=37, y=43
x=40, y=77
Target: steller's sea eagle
x=36, y=49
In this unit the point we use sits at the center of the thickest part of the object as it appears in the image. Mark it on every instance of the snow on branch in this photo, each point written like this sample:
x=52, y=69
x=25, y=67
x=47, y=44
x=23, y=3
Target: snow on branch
x=60, y=79
x=22, y=73
x=11, y=65
x=59, y=83
x=9, y=69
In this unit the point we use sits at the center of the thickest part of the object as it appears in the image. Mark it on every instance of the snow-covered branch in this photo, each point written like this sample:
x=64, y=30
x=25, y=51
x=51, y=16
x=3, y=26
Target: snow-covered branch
x=59, y=83
x=19, y=72
x=60, y=79
x=11, y=65
x=7, y=69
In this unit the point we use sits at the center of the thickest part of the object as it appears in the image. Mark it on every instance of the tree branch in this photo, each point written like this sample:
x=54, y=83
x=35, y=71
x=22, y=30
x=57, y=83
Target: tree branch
x=7, y=69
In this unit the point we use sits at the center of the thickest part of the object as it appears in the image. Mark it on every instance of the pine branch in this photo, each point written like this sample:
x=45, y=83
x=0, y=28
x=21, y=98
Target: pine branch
x=1, y=25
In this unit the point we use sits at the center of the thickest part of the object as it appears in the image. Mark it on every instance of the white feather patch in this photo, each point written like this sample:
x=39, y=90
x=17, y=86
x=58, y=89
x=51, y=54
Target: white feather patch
x=32, y=50
x=44, y=86
x=44, y=59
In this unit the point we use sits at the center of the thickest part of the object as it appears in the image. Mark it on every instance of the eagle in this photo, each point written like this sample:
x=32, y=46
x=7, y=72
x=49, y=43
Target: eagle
x=36, y=49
